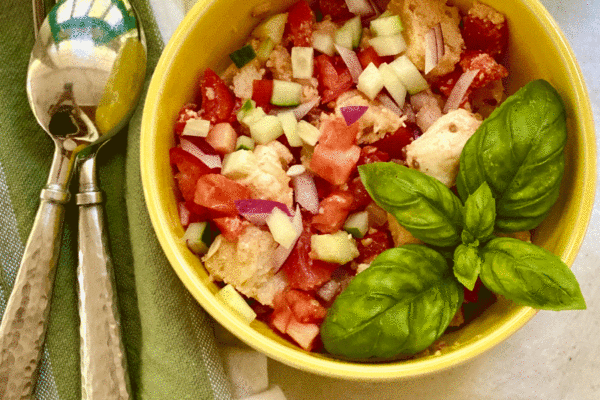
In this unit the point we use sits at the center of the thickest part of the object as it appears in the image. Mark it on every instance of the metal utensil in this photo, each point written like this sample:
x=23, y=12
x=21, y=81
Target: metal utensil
x=81, y=94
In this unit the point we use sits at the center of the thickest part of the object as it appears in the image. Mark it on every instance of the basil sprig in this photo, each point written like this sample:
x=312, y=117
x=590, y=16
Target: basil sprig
x=509, y=174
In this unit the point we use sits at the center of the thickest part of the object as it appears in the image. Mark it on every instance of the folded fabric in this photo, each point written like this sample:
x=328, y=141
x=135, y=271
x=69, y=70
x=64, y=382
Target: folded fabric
x=169, y=339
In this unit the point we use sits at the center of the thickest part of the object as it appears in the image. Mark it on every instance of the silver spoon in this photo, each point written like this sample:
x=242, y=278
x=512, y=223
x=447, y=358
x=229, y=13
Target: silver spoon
x=84, y=77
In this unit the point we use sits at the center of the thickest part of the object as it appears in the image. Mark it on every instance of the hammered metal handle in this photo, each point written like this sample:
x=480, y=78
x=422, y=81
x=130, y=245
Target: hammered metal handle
x=24, y=322
x=103, y=361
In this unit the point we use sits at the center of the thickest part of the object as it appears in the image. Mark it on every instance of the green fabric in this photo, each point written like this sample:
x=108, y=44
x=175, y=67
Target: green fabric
x=169, y=339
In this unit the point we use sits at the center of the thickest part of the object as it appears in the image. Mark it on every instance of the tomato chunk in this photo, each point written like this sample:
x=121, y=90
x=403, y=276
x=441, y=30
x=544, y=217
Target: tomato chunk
x=336, y=133
x=305, y=307
x=335, y=208
x=372, y=245
x=368, y=55
x=332, y=81
x=231, y=227
x=188, y=111
x=487, y=35
x=217, y=100
x=190, y=170
x=218, y=193
x=394, y=144
x=285, y=320
x=371, y=154
x=262, y=90
x=300, y=20
x=301, y=270
x=334, y=165
x=489, y=69
x=338, y=9
x=336, y=155
x=360, y=196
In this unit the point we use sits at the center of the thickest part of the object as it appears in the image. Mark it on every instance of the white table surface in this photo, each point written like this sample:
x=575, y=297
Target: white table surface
x=556, y=356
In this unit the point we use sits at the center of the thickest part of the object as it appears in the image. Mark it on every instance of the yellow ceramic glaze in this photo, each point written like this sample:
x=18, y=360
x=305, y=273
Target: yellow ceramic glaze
x=215, y=28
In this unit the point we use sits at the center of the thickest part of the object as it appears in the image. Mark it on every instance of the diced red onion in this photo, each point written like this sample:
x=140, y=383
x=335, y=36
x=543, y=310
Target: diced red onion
x=360, y=7
x=460, y=89
x=184, y=213
x=211, y=160
x=379, y=5
x=377, y=215
x=296, y=170
x=305, y=191
x=409, y=112
x=353, y=113
x=389, y=103
x=434, y=47
x=328, y=291
x=351, y=60
x=304, y=108
x=419, y=100
x=257, y=210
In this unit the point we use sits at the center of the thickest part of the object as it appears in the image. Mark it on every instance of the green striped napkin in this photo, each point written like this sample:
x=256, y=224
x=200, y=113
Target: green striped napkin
x=169, y=339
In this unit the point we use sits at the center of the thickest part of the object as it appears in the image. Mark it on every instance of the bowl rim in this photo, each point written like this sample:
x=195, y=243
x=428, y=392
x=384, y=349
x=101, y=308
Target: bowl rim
x=310, y=361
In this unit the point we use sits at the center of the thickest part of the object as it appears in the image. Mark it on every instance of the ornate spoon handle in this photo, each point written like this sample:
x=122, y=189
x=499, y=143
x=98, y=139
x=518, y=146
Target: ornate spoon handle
x=23, y=327
x=103, y=361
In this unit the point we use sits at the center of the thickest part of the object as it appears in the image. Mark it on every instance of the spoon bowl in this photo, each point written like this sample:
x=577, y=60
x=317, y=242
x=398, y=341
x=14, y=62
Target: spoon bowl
x=84, y=78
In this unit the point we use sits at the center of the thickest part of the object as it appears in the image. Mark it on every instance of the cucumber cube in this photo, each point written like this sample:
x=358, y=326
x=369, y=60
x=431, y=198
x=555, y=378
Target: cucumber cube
x=308, y=133
x=302, y=62
x=357, y=224
x=264, y=50
x=243, y=56
x=196, y=127
x=370, y=81
x=393, y=84
x=339, y=247
x=343, y=37
x=248, y=106
x=409, y=74
x=199, y=236
x=283, y=230
x=323, y=43
x=239, y=164
x=290, y=124
x=349, y=34
x=388, y=45
x=244, y=143
x=272, y=28
x=234, y=300
x=253, y=116
x=386, y=26
x=286, y=93
x=266, y=129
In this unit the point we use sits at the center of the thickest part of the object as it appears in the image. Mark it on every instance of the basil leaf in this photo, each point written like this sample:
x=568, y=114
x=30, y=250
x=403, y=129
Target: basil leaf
x=467, y=265
x=529, y=275
x=420, y=203
x=519, y=151
x=480, y=213
x=401, y=304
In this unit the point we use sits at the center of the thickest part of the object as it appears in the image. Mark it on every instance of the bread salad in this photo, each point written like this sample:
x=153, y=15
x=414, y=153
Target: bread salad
x=359, y=180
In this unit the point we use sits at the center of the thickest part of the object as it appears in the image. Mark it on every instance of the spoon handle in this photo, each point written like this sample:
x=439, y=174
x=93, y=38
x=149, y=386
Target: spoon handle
x=23, y=327
x=103, y=360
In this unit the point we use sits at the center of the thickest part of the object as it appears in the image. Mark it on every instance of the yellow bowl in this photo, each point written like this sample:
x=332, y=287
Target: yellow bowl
x=215, y=28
